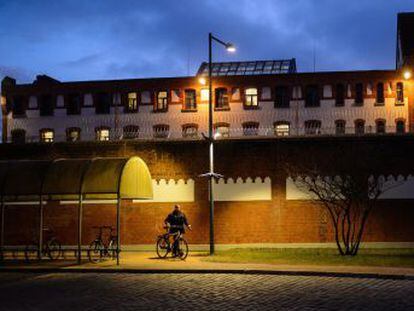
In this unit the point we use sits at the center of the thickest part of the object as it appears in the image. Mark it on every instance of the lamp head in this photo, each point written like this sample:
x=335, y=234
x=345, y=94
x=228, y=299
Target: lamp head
x=407, y=74
x=202, y=80
x=230, y=47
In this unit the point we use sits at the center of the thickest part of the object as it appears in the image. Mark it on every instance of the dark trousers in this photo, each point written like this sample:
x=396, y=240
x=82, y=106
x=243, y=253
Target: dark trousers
x=176, y=241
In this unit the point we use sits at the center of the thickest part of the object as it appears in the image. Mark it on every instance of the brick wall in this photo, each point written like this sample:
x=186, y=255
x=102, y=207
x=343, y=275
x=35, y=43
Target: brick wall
x=275, y=221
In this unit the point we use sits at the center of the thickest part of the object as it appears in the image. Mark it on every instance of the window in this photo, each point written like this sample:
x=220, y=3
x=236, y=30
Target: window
x=340, y=95
x=282, y=128
x=102, y=103
x=161, y=131
x=47, y=135
x=46, y=105
x=102, y=133
x=312, y=96
x=400, y=126
x=162, y=101
x=131, y=131
x=359, y=94
x=359, y=127
x=73, y=134
x=327, y=91
x=250, y=99
x=132, y=104
x=190, y=100
x=74, y=104
x=380, y=126
x=380, y=93
x=18, y=136
x=222, y=99
x=312, y=127
x=340, y=127
x=250, y=128
x=221, y=130
x=204, y=94
x=282, y=99
x=190, y=130
x=19, y=106
x=400, y=93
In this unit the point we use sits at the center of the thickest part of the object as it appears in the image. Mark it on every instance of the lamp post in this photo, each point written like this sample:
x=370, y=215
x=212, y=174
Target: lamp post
x=211, y=175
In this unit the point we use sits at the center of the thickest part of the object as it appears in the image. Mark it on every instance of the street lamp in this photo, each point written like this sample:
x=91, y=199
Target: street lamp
x=211, y=175
x=407, y=74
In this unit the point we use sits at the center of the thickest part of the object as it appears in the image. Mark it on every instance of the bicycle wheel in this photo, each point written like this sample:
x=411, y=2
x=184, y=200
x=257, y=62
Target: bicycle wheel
x=163, y=247
x=53, y=249
x=96, y=251
x=112, y=249
x=183, y=248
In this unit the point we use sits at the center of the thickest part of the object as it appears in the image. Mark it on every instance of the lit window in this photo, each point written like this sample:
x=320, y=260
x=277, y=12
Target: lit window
x=18, y=136
x=250, y=99
x=162, y=101
x=312, y=127
x=340, y=127
x=190, y=130
x=380, y=125
x=282, y=128
x=102, y=133
x=190, y=100
x=204, y=95
x=131, y=131
x=400, y=93
x=359, y=127
x=400, y=126
x=161, y=131
x=47, y=135
x=222, y=99
x=250, y=128
x=73, y=134
x=222, y=130
x=132, y=104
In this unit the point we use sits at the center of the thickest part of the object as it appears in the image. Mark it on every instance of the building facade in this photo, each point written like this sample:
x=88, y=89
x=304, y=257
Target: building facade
x=261, y=109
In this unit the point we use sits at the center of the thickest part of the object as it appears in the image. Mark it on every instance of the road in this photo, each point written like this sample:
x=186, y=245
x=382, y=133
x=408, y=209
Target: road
x=123, y=291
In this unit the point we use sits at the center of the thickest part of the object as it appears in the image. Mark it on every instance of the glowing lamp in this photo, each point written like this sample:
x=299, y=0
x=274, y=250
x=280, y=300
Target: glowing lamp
x=407, y=74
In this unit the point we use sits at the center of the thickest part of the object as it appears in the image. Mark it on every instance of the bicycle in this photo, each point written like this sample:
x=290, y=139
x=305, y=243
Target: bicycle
x=51, y=247
x=164, y=246
x=98, y=250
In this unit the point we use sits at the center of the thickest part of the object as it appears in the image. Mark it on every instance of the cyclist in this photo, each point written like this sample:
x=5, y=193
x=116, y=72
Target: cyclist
x=176, y=222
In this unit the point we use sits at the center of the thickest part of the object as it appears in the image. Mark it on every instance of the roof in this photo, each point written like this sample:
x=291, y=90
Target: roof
x=99, y=178
x=265, y=67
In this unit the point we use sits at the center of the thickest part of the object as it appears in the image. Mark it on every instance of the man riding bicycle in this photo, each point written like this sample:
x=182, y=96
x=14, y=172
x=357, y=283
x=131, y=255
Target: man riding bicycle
x=176, y=222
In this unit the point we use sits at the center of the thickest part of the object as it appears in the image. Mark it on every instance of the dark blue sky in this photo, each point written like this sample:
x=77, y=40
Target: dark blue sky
x=99, y=39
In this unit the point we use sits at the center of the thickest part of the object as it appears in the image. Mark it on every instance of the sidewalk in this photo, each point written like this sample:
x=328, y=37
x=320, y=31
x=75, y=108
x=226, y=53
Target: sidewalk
x=148, y=262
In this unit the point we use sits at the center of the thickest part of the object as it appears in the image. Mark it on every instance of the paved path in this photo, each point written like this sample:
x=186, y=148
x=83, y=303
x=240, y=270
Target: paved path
x=123, y=291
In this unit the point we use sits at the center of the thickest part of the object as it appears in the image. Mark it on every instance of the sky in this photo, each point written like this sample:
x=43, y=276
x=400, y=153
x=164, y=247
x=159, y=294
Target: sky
x=74, y=40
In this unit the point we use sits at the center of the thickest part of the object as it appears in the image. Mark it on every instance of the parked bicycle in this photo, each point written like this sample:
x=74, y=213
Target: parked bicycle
x=165, y=244
x=51, y=247
x=99, y=250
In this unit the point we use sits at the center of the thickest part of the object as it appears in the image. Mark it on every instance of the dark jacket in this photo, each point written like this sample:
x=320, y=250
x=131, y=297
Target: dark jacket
x=178, y=221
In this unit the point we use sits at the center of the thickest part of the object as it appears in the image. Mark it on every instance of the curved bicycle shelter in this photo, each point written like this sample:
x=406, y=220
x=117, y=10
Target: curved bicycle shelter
x=73, y=179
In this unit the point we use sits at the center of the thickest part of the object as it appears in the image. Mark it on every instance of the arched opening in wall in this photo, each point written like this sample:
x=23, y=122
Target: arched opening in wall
x=281, y=128
x=102, y=133
x=73, y=134
x=161, y=131
x=190, y=130
x=380, y=126
x=359, y=127
x=222, y=130
x=400, y=126
x=340, y=127
x=250, y=128
x=313, y=127
x=18, y=136
x=131, y=132
x=221, y=99
x=47, y=135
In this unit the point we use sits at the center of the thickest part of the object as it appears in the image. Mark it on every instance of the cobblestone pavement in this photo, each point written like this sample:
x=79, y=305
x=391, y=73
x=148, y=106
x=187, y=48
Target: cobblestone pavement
x=122, y=291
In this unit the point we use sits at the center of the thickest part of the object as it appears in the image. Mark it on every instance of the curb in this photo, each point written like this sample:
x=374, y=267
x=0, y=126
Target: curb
x=212, y=271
